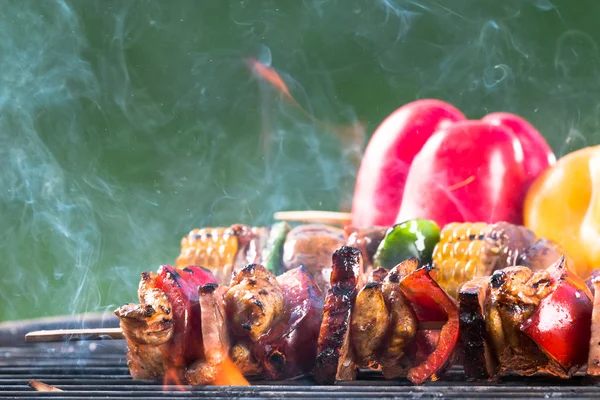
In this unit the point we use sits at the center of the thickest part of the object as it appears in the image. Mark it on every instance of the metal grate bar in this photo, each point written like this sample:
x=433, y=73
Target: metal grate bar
x=98, y=370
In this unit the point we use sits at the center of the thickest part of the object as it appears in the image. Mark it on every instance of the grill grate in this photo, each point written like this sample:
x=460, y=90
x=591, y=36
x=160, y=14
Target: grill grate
x=90, y=370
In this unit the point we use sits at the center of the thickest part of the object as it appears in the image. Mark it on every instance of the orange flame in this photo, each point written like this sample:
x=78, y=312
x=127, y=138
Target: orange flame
x=462, y=183
x=230, y=375
x=270, y=75
x=172, y=381
x=352, y=136
x=227, y=375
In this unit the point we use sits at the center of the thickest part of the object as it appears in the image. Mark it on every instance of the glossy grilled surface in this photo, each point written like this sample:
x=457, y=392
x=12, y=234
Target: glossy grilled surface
x=340, y=298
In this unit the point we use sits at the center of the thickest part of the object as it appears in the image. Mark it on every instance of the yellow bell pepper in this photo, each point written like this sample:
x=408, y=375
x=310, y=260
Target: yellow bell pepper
x=563, y=204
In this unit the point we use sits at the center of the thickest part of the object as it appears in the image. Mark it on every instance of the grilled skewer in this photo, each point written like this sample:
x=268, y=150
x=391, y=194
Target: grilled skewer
x=256, y=320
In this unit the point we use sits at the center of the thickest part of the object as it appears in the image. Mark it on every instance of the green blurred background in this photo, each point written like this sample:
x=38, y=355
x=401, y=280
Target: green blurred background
x=125, y=124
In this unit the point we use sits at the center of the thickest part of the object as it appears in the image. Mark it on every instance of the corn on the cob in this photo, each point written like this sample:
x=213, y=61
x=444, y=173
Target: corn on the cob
x=208, y=247
x=468, y=250
x=221, y=250
x=211, y=248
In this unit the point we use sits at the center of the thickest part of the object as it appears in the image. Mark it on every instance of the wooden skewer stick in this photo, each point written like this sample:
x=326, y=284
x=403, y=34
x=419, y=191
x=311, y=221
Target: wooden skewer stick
x=70, y=335
x=323, y=217
x=43, y=387
x=61, y=335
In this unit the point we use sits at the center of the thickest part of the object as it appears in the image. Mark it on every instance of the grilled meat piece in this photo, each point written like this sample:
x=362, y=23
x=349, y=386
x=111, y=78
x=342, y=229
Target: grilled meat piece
x=478, y=359
x=378, y=275
x=542, y=254
x=515, y=292
x=593, y=367
x=369, y=323
x=242, y=357
x=255, y=302
x=148, y=329
x=402, y=325
x=151, y=321
x=507, y=242
x=215, y=335
x=590, y=281
x=367, y=241
x=333, y=359
x=311, y=246
x=290, y=348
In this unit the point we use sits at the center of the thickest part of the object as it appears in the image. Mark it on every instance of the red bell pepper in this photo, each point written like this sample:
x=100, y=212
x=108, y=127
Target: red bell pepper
x=561, y=324
x=181, y=288
x=388, y=157
x=432, y=303
x=426, y=160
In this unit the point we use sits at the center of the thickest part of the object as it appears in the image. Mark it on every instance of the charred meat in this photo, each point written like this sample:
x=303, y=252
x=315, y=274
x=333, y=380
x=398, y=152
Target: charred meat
x=169, y=338
x=478, y=359
x=255, y=302
x=148, y=329
x=290, y=348
x=515, y=292
x=367, y=241
x=333, y=361
x=402, y=325
x=369, y=323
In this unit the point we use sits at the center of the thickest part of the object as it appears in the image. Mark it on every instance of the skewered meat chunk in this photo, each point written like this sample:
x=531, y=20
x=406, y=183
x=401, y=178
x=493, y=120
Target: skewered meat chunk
x=148, y=328
x=593, y=366
x=369, y=323
x=244, y=360
x=334, y=352
x=215, y=335
x=590, y=281
x=367, y=241
x=150, y=322
x=168, y=318
x=402, y=325
x=291, y=346
x=542, y=254
x=255, y=302
x=311, y=246
x=478, y=359
x=514, y=294
x=378, y=275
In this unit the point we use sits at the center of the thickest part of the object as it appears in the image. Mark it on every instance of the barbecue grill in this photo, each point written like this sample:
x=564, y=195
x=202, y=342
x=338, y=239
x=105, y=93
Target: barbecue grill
x=97, y=369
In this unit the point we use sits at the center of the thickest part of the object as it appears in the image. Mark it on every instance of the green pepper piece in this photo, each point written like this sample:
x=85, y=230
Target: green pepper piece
x=272, y=253
x=413, y=238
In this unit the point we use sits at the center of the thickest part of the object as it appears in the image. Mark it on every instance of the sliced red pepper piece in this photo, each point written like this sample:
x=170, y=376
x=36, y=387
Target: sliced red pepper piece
x=181, y=288
x=561, y=324
x=429, y=298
